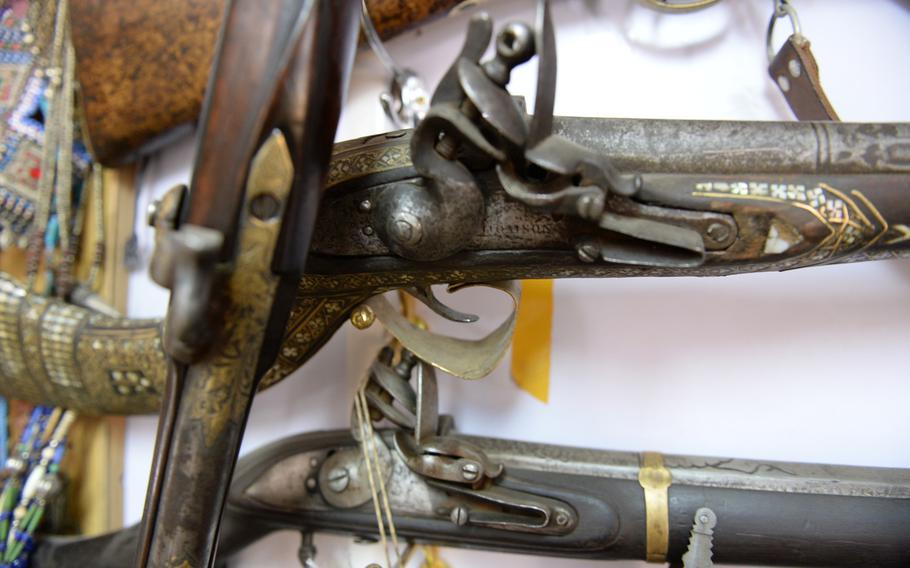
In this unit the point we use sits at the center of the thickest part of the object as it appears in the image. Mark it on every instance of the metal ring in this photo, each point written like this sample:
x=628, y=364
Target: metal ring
x=680, y=7
x=782, y=9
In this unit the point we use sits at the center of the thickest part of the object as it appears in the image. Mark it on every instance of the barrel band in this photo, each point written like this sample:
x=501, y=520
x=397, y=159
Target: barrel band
x=655, y=479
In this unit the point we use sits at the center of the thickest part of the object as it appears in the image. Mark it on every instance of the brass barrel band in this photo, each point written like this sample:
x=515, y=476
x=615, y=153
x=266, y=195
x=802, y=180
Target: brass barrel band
x=655, y=479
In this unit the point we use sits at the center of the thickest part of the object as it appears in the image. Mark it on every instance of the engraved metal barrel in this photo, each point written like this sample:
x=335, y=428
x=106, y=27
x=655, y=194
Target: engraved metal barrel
x=807, y=180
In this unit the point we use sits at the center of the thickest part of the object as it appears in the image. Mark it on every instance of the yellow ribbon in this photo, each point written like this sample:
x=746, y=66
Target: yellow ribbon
x=531, y=343
x=432, y=558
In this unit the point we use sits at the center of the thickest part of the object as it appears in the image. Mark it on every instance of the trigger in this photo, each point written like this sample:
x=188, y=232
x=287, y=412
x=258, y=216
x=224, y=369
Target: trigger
x=427, y=298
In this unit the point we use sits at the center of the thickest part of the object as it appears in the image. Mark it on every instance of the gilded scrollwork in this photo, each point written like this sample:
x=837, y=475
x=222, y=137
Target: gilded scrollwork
x=226, y=375
x=313, y=321
x=853, y=222
x=383, y=157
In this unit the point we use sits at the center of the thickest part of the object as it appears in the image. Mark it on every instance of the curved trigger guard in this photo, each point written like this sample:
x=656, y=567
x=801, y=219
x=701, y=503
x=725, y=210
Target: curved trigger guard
x=464, y=358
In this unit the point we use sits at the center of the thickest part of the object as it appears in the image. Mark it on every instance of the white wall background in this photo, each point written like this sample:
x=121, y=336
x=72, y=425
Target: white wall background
x=805, y=366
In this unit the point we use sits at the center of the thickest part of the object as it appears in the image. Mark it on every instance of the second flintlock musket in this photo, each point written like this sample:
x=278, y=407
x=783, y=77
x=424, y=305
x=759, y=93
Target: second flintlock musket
x=517, y=497
x=762, y=512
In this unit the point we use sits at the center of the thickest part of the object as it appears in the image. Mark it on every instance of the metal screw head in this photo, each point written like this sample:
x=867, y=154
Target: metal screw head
x=405, y=229
x=459, y=516
x=339, y=479
x=470, y=471
x=795, y=68
x=562, y=519
x=368, y=230
x=402, y=231
x=311, y=483
x=587, y=252
x=314, y=462
x=265, y=206
x=365, y=206
x=363, y=317
x=718, y=232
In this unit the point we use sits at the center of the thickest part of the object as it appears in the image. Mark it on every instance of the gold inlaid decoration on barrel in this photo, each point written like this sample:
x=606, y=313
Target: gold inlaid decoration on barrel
x=383, y=158
x=850, y=228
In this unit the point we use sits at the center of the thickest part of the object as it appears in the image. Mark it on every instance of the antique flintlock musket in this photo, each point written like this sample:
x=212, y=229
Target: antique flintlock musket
x=764, y=512
x=517, y=497
x=760, y=195
x=233, y=247
x=571, y=209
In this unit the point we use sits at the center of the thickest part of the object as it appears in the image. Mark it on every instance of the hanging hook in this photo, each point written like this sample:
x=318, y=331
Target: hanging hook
x=406, y=102
x=782, y=9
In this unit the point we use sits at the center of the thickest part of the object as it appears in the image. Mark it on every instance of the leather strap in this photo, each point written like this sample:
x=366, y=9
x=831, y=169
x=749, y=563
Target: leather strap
x=795, y=72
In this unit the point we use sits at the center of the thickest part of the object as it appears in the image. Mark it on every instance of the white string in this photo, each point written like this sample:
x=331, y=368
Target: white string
x=366, y=460
x=378, y=492
x=378, y=465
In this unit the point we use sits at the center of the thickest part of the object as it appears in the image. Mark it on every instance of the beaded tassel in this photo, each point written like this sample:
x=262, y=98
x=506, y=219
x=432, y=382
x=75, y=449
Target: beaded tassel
x=4, y=429
x=22, y=505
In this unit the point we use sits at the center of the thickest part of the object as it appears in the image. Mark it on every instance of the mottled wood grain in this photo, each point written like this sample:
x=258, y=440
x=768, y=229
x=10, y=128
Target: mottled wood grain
x=143, y=65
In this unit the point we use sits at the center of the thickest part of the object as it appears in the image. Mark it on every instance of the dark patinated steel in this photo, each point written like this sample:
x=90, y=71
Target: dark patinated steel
x=768, y=513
